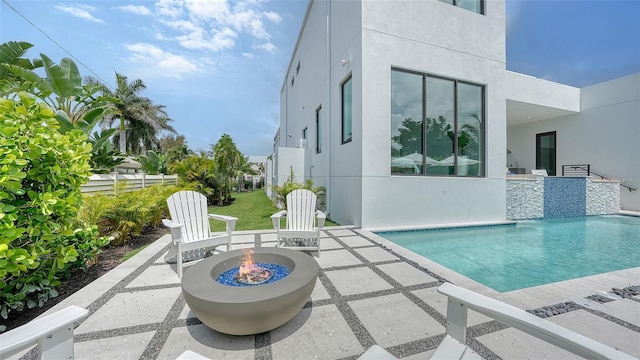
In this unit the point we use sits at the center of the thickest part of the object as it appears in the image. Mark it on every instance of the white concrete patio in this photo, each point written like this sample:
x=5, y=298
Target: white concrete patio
x=369, y=291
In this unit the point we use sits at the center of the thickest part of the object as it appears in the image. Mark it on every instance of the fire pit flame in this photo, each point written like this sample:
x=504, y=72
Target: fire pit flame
x=249, y=272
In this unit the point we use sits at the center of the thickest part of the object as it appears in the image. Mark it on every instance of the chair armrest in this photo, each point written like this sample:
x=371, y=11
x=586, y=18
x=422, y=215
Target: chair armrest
x=275, y=218
x=321, y=218
x=170, y=224
x=521, y=320
x=230, y=220
x=176, y=229
x=48, y=327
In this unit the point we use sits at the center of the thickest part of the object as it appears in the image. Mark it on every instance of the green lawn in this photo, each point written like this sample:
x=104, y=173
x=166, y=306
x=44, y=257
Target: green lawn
x=253, y=210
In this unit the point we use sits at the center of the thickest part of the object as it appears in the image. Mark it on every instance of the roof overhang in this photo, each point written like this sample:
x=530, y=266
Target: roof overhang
x=531, y=99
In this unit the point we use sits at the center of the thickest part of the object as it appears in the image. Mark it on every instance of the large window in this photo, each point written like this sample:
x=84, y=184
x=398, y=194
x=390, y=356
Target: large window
x=437, y=125
x=318, y=130
x=347, y=111
x=476, y=6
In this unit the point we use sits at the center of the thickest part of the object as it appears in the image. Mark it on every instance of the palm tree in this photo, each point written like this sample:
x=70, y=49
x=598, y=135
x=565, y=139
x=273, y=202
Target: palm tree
x=139, y=120
x=229, y=161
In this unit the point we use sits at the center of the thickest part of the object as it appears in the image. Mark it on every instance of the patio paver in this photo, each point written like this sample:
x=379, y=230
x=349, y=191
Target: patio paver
x=367, y=292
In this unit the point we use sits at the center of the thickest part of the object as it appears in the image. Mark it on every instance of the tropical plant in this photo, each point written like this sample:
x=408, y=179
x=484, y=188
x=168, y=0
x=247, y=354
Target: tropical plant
x=61, y=89
x=280, y=192
x=11, y=54
x=175, y=146
x=140, y=121
x=132, y=211
x=199, y=173
x=78, y=106
x=153, y=163
x=40, y=178
x=229, y=163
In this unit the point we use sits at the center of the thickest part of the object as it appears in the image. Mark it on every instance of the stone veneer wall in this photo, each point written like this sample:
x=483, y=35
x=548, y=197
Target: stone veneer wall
x=526, y=197
x=603, y=197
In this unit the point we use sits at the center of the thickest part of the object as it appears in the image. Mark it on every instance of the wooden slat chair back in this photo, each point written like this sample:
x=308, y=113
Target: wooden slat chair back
x=190, y=228
x=190, y=209
x=303, y=222
x=301, y=210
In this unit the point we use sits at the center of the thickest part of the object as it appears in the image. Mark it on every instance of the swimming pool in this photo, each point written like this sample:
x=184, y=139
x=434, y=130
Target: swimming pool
x=530, y=253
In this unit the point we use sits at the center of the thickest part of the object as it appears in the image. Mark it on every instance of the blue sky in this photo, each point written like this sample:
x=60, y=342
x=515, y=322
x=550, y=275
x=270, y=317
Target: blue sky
x=218, y=66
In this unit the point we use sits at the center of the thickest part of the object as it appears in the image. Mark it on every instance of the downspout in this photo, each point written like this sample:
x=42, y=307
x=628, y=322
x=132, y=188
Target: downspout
x=329, y=112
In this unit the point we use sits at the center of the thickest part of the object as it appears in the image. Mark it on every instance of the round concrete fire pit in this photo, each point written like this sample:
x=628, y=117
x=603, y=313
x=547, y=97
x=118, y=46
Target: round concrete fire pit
x=244, y=310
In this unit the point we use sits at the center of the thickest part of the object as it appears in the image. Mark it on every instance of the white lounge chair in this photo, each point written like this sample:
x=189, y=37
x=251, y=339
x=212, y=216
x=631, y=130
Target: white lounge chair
x=53, y=334
x=453, y=346
x=301, y=217
x=190, y=228
x=539, y=172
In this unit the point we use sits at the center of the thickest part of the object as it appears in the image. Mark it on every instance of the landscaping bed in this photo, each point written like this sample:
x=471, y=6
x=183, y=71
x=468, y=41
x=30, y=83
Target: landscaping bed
x=108, y=259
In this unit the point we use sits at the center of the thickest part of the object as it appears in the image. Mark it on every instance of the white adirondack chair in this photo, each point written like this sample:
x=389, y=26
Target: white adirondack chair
x=454, y=346
x=301, y=217
x=190, y=230
x=53, y=334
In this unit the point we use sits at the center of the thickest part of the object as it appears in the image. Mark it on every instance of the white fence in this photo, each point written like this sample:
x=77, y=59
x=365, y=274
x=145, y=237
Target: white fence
x=106, y=183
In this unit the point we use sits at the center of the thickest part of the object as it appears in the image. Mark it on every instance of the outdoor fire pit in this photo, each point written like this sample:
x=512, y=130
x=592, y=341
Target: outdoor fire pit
x=268, y=298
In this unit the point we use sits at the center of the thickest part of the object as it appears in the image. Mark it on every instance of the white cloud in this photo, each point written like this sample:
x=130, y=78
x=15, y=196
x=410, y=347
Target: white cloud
x=266, y=46
x=249, y=55
x=81, y=11
x=170, y=8
x=214, y=25
x=200, y=39
x=138, y=10
x=164, y=62
x=272, y=16
x=208, y=9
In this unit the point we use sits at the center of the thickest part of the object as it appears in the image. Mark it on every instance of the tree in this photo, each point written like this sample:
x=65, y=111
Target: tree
x=78, y=106
x=409, y=138
x=199, y=172
x=139, y=120
x=439, y=140
x=229, y=162
x=153, y=163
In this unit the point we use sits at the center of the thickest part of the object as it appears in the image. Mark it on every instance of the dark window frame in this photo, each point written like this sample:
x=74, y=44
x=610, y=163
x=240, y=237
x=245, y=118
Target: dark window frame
x=550, y=172
x=483, y=88
x=483, y=6
x=348, y=79
x=318, y=131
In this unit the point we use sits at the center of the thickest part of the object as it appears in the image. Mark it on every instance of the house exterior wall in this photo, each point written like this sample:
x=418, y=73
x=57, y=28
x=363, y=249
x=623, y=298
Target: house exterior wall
x=426, y=37
x=364, y=41
x=605, y=134
x=317, y=85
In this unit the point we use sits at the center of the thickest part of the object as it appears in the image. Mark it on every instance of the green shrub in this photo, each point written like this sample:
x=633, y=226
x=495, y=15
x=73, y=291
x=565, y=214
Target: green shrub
x=41, y=171
x=132, y=211
x=281, y=192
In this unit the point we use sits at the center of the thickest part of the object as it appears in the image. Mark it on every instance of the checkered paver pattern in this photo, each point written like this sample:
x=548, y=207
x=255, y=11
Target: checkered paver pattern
x=366, y=294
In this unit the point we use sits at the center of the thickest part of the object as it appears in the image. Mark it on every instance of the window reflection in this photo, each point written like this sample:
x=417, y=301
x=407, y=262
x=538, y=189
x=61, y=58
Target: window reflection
x=448, y=139
x=406, y=123
x=346, y=111
x=440, y=124
x=469, y=133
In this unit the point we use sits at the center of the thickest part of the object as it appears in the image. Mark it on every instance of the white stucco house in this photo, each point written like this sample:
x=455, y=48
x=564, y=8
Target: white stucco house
x=405, y=112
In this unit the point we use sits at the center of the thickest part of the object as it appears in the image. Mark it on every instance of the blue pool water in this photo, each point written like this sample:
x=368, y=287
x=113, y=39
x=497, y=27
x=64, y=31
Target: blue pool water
x=512, y=257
